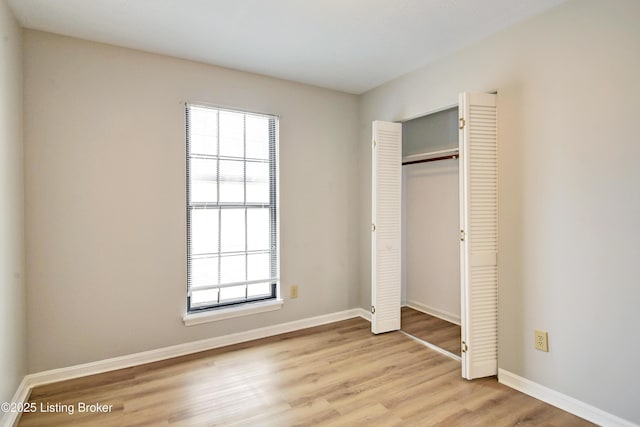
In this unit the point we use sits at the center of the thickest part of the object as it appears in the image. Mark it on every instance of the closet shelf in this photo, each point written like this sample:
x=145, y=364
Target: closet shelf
x=431, y=156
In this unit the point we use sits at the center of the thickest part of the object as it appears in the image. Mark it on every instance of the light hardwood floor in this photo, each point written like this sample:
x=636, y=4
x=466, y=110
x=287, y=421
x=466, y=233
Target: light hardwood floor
x=434, y=330
x=339, y=374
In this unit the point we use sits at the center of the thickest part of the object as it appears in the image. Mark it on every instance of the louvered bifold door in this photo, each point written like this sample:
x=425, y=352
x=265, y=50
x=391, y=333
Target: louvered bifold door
x=385, y=226
x=479, y=234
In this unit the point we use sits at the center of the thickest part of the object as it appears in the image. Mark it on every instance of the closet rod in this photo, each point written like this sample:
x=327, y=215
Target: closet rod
x=431, y=157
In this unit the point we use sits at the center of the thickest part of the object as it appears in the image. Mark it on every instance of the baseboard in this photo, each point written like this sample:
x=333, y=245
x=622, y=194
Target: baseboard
x=562, y=401
x=101, y=366
x=444, y=315
x=135, y=359
x=366, y=315
x=507, y=378
x=22, y=394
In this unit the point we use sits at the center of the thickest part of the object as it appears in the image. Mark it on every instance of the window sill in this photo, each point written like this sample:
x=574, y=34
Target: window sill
x=191, y=319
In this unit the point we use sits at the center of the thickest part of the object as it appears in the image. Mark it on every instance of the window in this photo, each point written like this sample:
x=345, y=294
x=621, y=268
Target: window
x=232, y=212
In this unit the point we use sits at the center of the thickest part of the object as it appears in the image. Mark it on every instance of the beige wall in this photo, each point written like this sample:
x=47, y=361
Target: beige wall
x=430, y=238
x=105, y=184
x=569, y=190
x=12, y=285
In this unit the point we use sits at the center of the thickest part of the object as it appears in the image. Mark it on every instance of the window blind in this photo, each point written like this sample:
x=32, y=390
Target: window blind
x=232, y=212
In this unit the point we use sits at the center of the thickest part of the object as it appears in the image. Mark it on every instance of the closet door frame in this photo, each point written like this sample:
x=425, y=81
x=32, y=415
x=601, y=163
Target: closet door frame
x=478, y=341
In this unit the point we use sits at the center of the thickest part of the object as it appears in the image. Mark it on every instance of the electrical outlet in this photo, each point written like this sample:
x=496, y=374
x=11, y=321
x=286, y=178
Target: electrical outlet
x=293, y=291
x=541, y=340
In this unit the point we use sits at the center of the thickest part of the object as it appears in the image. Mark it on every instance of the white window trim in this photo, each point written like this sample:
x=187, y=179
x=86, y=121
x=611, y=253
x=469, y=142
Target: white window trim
x=245, y=309
x=273, y=204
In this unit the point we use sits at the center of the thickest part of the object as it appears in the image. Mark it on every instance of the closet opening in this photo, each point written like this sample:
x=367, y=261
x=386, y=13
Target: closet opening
x=430, y=243
x=434, y=224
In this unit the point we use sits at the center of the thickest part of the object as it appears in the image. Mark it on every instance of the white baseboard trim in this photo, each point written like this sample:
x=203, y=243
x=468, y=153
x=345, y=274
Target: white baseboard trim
x=366, y=315
x=150, y=356
x=21, y=395
x=46, y=377
x=444, y=315
x=562, y=401
x=507, y=378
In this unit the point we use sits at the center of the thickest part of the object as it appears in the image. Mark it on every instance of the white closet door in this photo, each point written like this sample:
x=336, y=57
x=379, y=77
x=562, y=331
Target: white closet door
x=385, y=227
x=479, y=232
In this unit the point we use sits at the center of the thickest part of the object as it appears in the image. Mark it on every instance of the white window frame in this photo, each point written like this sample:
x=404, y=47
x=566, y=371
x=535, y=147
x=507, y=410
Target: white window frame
x=218, y=310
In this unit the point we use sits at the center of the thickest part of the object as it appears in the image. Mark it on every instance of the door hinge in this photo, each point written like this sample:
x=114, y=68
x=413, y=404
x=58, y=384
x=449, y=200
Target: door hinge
x=374, y=143
x=373, y=309
x=464, y=347
x=373, y=227
x=462, y=235
x=463, y=123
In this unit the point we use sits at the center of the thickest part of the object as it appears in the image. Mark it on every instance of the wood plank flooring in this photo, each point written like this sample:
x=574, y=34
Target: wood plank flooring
x=434, y=330
x=333, y=375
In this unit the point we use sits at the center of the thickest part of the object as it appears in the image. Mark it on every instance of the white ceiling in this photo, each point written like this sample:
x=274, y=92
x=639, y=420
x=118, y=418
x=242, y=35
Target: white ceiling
x=347, y=45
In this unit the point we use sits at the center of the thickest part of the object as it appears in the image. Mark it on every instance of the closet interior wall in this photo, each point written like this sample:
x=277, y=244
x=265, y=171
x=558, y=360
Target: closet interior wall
x=430, y=216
